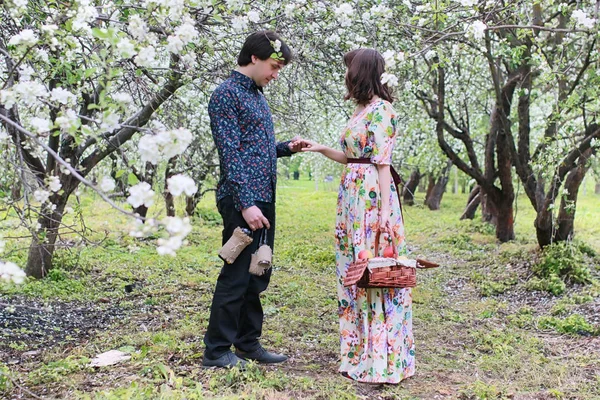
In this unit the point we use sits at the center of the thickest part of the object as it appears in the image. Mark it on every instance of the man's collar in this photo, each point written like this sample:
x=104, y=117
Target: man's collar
x=245, y=80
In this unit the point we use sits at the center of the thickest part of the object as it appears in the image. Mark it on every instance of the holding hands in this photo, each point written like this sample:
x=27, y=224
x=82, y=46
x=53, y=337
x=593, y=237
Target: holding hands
x=306, y=145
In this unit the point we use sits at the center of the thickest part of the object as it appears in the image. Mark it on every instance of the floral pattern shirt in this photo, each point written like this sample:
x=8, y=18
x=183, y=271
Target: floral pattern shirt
x=242, y=128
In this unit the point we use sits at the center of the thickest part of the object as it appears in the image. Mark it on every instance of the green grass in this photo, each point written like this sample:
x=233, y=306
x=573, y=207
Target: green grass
x=480, y=332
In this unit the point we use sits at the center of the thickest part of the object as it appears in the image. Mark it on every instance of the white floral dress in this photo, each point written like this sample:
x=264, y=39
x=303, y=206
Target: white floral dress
x=376, y=336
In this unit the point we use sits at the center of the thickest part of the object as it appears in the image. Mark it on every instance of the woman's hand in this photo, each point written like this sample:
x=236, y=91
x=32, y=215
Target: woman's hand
x=310, y=145
x=385, y=218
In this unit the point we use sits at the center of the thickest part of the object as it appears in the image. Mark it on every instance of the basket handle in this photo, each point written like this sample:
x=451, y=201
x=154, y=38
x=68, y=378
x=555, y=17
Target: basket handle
x=388, y=230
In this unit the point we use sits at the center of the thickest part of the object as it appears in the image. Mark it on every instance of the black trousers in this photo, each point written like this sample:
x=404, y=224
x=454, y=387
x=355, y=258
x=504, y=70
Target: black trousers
x=236, y=315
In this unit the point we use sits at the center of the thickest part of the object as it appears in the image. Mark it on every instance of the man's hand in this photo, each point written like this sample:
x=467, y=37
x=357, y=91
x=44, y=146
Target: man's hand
x=255, y=218
x=296, y=144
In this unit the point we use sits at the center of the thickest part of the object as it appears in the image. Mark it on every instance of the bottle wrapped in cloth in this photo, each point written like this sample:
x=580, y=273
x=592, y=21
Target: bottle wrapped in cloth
x=260, y=262
x=240, y=239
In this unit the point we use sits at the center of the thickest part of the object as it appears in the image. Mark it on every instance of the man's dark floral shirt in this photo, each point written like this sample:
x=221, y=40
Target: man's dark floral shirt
x=242, y=128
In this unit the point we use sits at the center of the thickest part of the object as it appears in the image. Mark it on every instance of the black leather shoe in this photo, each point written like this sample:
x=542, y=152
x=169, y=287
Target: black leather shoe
x=262, y=356
x=227, y=360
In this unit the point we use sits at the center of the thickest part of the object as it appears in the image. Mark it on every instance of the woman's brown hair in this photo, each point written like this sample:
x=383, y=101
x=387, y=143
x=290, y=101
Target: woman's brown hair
x=363, y=80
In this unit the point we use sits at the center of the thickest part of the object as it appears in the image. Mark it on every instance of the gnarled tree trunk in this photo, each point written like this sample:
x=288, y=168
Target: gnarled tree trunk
x=408, y=192
x=436, y=189
x=169, y=199
x=568, y=204
x=472, y=203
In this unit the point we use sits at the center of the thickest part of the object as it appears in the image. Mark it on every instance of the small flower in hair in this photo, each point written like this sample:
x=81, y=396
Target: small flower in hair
x=277, y=55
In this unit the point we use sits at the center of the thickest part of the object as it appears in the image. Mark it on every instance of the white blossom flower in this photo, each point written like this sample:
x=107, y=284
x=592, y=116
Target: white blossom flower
x=3, y=134
x=50, y=28
x=235, y=4
x=179, y=184
x=164, y=145
x=289, y=10
x=253, y=16
x=390, y=79
x=110, y=121
x=40, y=125
x=122, y=97
x=84, y=15
x=54, y=183
x=390, y=58
x=583, y=19
x=30, y=91
x=467, y=3
x=343, y=13
x=68, y=121
x=148, y=149
x=140, y=194
x=168, y=246
x=26, y=37
x=277, y=45
x=174, y=44
x=8, y=98
x=186, y=32
x=41, y=195
x=25, y=73
x=177, y=226
x=107, y=184
x=61, y=95
x=68, y=210
x=239, y=23
x=11, y=272
x=145, y=57
x=126, y=48
x=477, y=30
x=42, y=55
x=137, y=27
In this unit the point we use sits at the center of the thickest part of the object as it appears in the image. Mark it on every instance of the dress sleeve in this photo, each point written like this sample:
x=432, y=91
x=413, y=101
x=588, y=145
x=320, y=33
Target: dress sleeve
x=226, y=133
x=382, y=133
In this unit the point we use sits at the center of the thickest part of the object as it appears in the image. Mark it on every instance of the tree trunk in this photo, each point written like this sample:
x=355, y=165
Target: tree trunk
x=15, y=191
x=142, y=211
x=408, y=193
x=42, y=247
x=597, y=188
x=472, y=203
x=169, y=199
x=505, y=222
x=568, y=203
x=190, y=205
x=436, y=190
x=543, y=227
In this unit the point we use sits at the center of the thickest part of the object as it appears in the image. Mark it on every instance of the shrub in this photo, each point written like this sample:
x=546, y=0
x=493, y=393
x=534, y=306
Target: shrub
x=573, y=325
x=561, y=263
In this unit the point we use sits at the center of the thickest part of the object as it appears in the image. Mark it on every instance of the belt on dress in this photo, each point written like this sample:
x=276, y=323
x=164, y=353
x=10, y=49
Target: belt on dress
x=395, y=176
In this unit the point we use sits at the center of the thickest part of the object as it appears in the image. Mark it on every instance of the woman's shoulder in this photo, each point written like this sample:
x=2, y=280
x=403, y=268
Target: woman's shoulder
x=384, y=107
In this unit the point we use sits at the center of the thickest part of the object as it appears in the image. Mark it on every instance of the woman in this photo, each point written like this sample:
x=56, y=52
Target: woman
x=377, y=343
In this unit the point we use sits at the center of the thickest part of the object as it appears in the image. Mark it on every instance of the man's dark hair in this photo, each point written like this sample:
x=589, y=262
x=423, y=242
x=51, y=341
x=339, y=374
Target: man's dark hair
x=259, y=44
x=363, y=79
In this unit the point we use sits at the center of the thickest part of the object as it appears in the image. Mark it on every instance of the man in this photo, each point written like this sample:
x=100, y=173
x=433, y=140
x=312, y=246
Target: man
x=242, y=129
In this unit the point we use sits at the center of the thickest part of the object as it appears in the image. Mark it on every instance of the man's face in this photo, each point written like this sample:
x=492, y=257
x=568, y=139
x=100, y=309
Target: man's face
x=265, y=70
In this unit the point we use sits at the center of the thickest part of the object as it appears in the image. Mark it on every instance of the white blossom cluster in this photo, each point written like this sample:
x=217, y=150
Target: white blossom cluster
x=476, y=30
x=10, y=272
x=583, y=20
x=164, y=145
x=178, y=229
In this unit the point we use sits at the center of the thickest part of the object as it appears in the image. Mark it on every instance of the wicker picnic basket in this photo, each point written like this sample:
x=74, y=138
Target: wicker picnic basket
x=385, y=272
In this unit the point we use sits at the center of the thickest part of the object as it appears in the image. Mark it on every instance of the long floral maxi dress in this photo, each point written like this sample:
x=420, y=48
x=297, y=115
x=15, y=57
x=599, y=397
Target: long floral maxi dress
x=376, y=336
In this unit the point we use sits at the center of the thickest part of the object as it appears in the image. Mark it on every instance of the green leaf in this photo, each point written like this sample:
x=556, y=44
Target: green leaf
x=119, y=173
x=132, y=179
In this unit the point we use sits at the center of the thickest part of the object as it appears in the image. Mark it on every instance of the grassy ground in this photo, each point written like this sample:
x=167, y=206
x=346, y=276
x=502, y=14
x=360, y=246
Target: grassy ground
x=481, y=331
